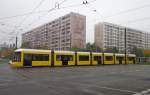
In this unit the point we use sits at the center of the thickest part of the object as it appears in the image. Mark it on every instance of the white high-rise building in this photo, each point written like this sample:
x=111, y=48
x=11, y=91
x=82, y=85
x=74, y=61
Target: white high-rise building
x=108, y=35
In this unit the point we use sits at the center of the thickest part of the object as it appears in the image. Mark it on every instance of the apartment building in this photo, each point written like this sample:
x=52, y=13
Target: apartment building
x=134, y=38
x=147, y=40
x=108, y=35
x=63, y=33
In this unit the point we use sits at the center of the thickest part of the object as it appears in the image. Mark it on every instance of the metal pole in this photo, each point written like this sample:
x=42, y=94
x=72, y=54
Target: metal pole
x=125, y=46
x=103, y=56
x=52, y=58
x=16, y=41
x=91, y=57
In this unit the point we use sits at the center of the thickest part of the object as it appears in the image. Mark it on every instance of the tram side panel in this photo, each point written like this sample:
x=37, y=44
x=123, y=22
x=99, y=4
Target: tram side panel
x=36, y=59
x=131, y=59
x=17, y=59
x=119, y=59
x=109, y=58
x=64, y=58
x=97, y=59
x=83, y=58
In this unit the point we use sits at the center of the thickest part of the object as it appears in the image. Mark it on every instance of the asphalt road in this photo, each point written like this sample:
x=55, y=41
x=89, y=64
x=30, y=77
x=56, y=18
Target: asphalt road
x=78, y=80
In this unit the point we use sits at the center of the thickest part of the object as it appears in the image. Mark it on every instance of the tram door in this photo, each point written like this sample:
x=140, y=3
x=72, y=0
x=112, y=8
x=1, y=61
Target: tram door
x=65, y=60
x=133, y=60
x=99, y=61
x=27, y=60
x=120, y=59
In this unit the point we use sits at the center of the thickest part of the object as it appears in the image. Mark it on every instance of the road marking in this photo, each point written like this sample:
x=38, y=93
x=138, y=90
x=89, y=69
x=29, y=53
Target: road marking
x=130, y=71
x=145, y=92
x=121, y=90
x=149, y=90
x=109, y=88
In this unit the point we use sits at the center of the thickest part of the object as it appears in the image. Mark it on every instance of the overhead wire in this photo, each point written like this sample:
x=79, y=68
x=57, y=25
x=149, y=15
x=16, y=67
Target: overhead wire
x=37, y=12
x=41, y=11
x=42, y=15
x=56, y=7
x=19, y=15
x=29, y=14
x=119, y=13
x=22, y=21
x=91, y=8
x=123, y=12
x=137, y=20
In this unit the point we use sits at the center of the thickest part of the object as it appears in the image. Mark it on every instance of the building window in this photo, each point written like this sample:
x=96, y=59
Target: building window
x=68, y=28
x=62, y=40
x=68, y=32
x=63, y=29
x=63, y=33
x=68, y=24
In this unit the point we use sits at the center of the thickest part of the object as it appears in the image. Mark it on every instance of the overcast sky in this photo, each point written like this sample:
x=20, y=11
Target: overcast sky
x=129, y=13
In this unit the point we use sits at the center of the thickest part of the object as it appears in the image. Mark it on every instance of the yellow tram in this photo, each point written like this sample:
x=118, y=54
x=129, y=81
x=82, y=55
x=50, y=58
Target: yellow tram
x=120, y=59
x=35, y=57
x=131, y=58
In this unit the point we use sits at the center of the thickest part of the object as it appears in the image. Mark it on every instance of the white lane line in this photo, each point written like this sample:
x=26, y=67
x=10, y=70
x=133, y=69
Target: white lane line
x=145, y=92
x=91, y=91
x=108, y=88
x=124, y=71
x=137, y=94
x=149, y=90
x=116, y=89
x=130, y=71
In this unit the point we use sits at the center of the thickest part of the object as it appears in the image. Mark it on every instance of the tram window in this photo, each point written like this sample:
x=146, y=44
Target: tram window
x=96, y=58
x=108, y=58
x=58, y=57
x=45, y=57
x=83, y=58
x=64, y=57
x=131, y=58
x=40, y=57
x=119, y=58
x=16, y=57
x=28, y=57
x=69, y=57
